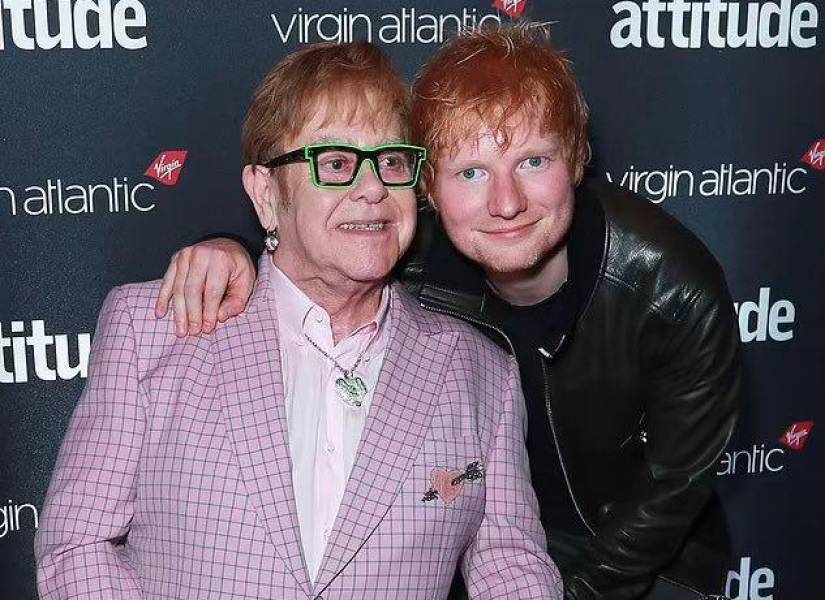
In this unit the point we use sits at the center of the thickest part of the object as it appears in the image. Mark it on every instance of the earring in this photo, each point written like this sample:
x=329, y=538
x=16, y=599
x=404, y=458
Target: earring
x=271, y=240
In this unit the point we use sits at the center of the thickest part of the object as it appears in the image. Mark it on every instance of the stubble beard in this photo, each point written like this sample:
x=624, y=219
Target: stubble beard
x=522, y=257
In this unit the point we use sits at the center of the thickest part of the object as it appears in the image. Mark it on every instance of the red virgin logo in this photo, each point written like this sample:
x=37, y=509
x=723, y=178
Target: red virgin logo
x=167, y=167
x=815, y=156
x=513, y=8
x=796, y=436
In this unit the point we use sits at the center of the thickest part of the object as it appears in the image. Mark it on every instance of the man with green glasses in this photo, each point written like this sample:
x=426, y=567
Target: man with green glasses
x=334, y=441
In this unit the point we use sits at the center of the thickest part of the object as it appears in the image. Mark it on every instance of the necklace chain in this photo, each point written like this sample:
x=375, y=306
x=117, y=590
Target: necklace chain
x=347, y=373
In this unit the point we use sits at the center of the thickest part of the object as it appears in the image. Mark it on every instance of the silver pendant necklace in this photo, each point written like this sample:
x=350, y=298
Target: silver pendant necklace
x=350, y=388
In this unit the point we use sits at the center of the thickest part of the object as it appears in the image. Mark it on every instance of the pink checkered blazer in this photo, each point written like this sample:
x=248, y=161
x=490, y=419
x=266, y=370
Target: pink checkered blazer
x=174, y=479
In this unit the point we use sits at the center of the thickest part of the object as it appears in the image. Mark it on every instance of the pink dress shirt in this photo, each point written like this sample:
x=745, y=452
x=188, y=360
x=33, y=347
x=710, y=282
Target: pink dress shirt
x=323, y=431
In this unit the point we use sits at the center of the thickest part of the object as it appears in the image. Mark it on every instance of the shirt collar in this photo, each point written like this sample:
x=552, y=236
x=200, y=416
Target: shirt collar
x=295, y=308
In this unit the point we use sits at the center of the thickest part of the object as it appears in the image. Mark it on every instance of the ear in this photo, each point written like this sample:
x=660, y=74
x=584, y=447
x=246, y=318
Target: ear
x=261, y=190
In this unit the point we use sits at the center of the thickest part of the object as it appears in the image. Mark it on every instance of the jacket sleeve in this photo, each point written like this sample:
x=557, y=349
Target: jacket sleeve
x=691, y=404
x=507, y=559
x=89, y=504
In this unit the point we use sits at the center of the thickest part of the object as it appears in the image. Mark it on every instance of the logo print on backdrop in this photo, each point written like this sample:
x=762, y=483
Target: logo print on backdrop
x=748, y=583
x=815, y=156
x=727, y=180
x=765, y=319
x=762, y=460
x=797, y=435
x=167, y=167
x=10, y=517
x=83, y=24
x=33, y=354
x=59, y=197
x=513, y=8
x=407, y=25
x=718, y=24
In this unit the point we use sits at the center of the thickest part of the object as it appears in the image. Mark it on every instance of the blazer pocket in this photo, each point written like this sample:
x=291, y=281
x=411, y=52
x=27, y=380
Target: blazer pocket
x=441, y=461
x=446, y=527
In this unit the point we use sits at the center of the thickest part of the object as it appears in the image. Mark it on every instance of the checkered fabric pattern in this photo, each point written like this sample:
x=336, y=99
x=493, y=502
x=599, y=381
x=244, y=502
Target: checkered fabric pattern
x=174, y=480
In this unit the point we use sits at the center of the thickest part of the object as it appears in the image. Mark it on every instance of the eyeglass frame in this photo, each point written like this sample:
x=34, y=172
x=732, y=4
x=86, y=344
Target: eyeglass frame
x=309, y=154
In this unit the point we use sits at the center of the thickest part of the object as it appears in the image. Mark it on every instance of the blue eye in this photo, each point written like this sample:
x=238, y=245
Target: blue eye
x=472, y=174
x=534, y=162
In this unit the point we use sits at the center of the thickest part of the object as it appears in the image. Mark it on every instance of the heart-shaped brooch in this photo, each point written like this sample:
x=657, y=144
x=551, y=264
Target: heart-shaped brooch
x=447, y=483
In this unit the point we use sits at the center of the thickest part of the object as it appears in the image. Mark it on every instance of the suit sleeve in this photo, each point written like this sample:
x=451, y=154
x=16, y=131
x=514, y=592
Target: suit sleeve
x=90, y=501
x=692, y=401
x=507, y=559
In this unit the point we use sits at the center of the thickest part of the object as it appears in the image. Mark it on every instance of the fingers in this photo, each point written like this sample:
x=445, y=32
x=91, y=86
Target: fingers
x=194, y=289
x=239, y=289
x=165, y=294
x=178, y=299
x=196, y=281
x=232, y=305
x=216, y=283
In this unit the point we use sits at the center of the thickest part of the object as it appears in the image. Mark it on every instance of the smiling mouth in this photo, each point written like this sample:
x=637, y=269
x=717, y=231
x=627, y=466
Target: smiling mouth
x=511, y=231
x=364, y=226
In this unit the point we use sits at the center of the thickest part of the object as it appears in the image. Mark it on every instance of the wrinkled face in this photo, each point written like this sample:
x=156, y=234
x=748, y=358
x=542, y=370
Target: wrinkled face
x=341, y=236
x=507, y=209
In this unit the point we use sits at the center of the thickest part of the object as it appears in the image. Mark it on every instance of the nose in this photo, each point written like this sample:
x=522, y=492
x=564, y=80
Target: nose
x=507, y=199
x=368, y=187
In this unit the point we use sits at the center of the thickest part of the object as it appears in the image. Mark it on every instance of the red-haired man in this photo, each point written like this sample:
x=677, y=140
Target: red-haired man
x=619, y=317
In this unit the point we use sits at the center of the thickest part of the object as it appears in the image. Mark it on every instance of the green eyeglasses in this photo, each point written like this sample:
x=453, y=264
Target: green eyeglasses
x=336, y=166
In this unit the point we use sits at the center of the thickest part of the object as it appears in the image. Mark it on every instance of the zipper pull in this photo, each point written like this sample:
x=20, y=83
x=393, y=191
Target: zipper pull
x=549, y=355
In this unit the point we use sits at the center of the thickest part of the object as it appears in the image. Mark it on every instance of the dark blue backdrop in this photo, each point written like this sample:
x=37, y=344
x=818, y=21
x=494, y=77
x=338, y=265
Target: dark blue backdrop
x=706, y=108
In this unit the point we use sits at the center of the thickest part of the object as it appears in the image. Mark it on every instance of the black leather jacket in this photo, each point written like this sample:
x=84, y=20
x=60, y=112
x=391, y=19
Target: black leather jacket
x=642, y=391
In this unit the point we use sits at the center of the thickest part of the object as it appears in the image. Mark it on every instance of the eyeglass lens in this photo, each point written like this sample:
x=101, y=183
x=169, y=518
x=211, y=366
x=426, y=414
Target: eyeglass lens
x=395, y=167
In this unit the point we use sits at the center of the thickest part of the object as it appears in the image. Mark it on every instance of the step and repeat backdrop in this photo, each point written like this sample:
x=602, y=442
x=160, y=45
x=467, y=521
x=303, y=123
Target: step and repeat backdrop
x=119, y=143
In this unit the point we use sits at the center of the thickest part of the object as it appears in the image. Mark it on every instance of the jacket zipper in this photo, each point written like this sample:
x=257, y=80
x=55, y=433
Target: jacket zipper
x=545, y=378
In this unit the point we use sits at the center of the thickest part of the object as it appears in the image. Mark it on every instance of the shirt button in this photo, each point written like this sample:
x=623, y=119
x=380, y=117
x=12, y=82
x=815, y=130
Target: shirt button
x=366, y=358
x=330, y=447
x=326, y=534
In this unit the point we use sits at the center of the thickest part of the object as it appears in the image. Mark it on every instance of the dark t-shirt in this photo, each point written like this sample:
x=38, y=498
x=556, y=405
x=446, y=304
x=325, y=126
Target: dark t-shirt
x=530, y=328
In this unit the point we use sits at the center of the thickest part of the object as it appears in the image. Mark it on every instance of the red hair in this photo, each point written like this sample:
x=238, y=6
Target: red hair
x=497, y=78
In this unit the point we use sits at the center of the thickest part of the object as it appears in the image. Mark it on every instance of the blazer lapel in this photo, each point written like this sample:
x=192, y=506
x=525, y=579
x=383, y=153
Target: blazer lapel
x=399, y=416
x=251, y=385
